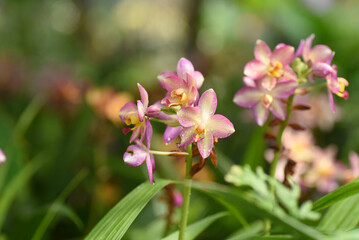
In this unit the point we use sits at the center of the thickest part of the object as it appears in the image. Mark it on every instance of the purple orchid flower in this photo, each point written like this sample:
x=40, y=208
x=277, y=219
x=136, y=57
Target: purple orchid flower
x=135, y=155
x=262, y=100
x=201, y=125
x=2, y=157
x=135, y=115
x=270, y=66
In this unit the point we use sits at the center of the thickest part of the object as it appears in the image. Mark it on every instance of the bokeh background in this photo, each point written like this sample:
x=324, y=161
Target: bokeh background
x=68, y=66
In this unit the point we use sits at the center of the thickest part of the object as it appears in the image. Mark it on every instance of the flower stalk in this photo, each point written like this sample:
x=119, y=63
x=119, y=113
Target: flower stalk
x=186, y=194
x=282, y=126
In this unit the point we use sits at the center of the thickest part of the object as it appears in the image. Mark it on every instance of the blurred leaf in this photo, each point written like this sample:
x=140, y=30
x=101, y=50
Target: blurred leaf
x=337, y=195
x=343, y=215
x=60, y=208
x=250, y=231
x=56, y=206
x=275, y=237
x=16, y=184
x=116, y=222
x=196, y=228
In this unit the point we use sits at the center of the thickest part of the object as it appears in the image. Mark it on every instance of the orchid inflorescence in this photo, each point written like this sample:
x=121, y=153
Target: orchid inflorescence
x=187, y=115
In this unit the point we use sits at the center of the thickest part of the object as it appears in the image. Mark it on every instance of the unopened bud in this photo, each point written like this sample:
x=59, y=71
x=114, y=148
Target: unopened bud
x=153, y=111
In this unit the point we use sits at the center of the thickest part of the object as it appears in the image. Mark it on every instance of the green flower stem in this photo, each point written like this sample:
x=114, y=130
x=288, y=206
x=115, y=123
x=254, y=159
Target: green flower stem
x=168, y=153
x=186, y=194
x=168, y=122
x=283, y=125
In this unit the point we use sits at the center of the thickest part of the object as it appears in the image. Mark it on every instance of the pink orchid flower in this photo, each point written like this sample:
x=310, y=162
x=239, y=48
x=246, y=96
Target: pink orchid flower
x=135, y=115
x=262, y=100
x=135, y=155
x=201, y=124
x=270, y=66
x=2, y=157
x=182, y=86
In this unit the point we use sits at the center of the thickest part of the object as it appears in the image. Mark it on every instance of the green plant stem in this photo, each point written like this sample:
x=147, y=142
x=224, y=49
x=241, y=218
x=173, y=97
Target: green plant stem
x=283, y=125
x=186, y=194
x=168, y=153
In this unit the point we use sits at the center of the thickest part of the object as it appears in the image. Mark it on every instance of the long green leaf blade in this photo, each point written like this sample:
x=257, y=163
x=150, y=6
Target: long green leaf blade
x=116, y=222
x=196, y=228
x=338, y=194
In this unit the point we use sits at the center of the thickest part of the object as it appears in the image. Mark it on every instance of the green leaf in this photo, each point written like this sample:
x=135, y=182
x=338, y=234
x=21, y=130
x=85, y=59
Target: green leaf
x=247, y=232
x=16, y=184
x=343, y=215
x=196, y=228
x=116, y=222
x=56, y=206
x=338, y=194
x=274, y=237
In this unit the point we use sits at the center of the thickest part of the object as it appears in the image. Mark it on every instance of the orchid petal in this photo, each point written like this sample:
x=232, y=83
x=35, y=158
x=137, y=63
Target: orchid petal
x=2, y=157
x=191, y=81
x=219, y=126
x=135, y=155
x=126, y=130
x=189, y=116
x=141, y=111
x=249, y=82
x=255, y=69
x=262, y=52
x=127, y=108
x=187, y=136
x=333, y=83
x=283, y=54
x=331, y=99
x=299, y=51
x=150, y=168
x=171, y=133
x=278, y=109
x=248, y=97
x=135, y=134
x=184, y=66
x=288, y=74
x=192, y=96
x=171, y=83
x=260, y=113
x=149, y=133
x=307, y=46
x=321, y=53
x=153, y=110
x=205, y=145
x=199, y=78
x=207, y=104
x=144, y=95
x=163, y=76
x=284, y=89
x=321, y=69
x=268, y=82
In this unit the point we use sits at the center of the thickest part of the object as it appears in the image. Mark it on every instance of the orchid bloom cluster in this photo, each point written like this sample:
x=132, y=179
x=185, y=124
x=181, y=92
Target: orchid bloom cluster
x=187, y=115
x=273, y=76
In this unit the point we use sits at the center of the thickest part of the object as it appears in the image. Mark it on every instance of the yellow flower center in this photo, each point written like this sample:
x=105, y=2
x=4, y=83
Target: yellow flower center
x=181, y=95
x=267, y=100
x=132, y=119
x=275, y=70
x=201, y=131
x=342, y=84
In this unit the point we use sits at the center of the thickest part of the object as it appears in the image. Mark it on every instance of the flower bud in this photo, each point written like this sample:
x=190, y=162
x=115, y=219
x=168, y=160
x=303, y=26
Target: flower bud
x=153, y=111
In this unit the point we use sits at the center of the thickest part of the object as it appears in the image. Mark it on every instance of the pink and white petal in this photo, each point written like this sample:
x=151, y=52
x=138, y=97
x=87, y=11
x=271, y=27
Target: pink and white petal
x=142, y=131
x=129, y=107
x=171, y=83
x=307, y=47
x=144, y=95
x=262, y=52
x=191, y=81
x=134, y=155
x=150, y=169
x=321, y=69
x=192, y=96
x=333, y=83
x=171, y=133
x=149, y=133
x=260, y=114
x=255, y=69
x=207, y=104
x=2, y=157
x=331, y=99
x=248, y=97
x=284, y=89
x=249, y=82
x=268, y=82
x=140, y=111
x=205, y=145
x=320, y=53
x=299, y=51
x=184, y=66
x=153, y=110
x=135, y=134
x=219, y=126
x=199, y=78
x=153, y=162
x=189, y=116
x=278, y=109
x=187, y=135
x=283, y=54
x=163, y=76
x=288, y=74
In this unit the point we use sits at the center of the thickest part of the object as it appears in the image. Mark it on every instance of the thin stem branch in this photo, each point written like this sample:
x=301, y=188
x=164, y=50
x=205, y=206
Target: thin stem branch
x=186, y=194
x=168, y=153
x=283, y=125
